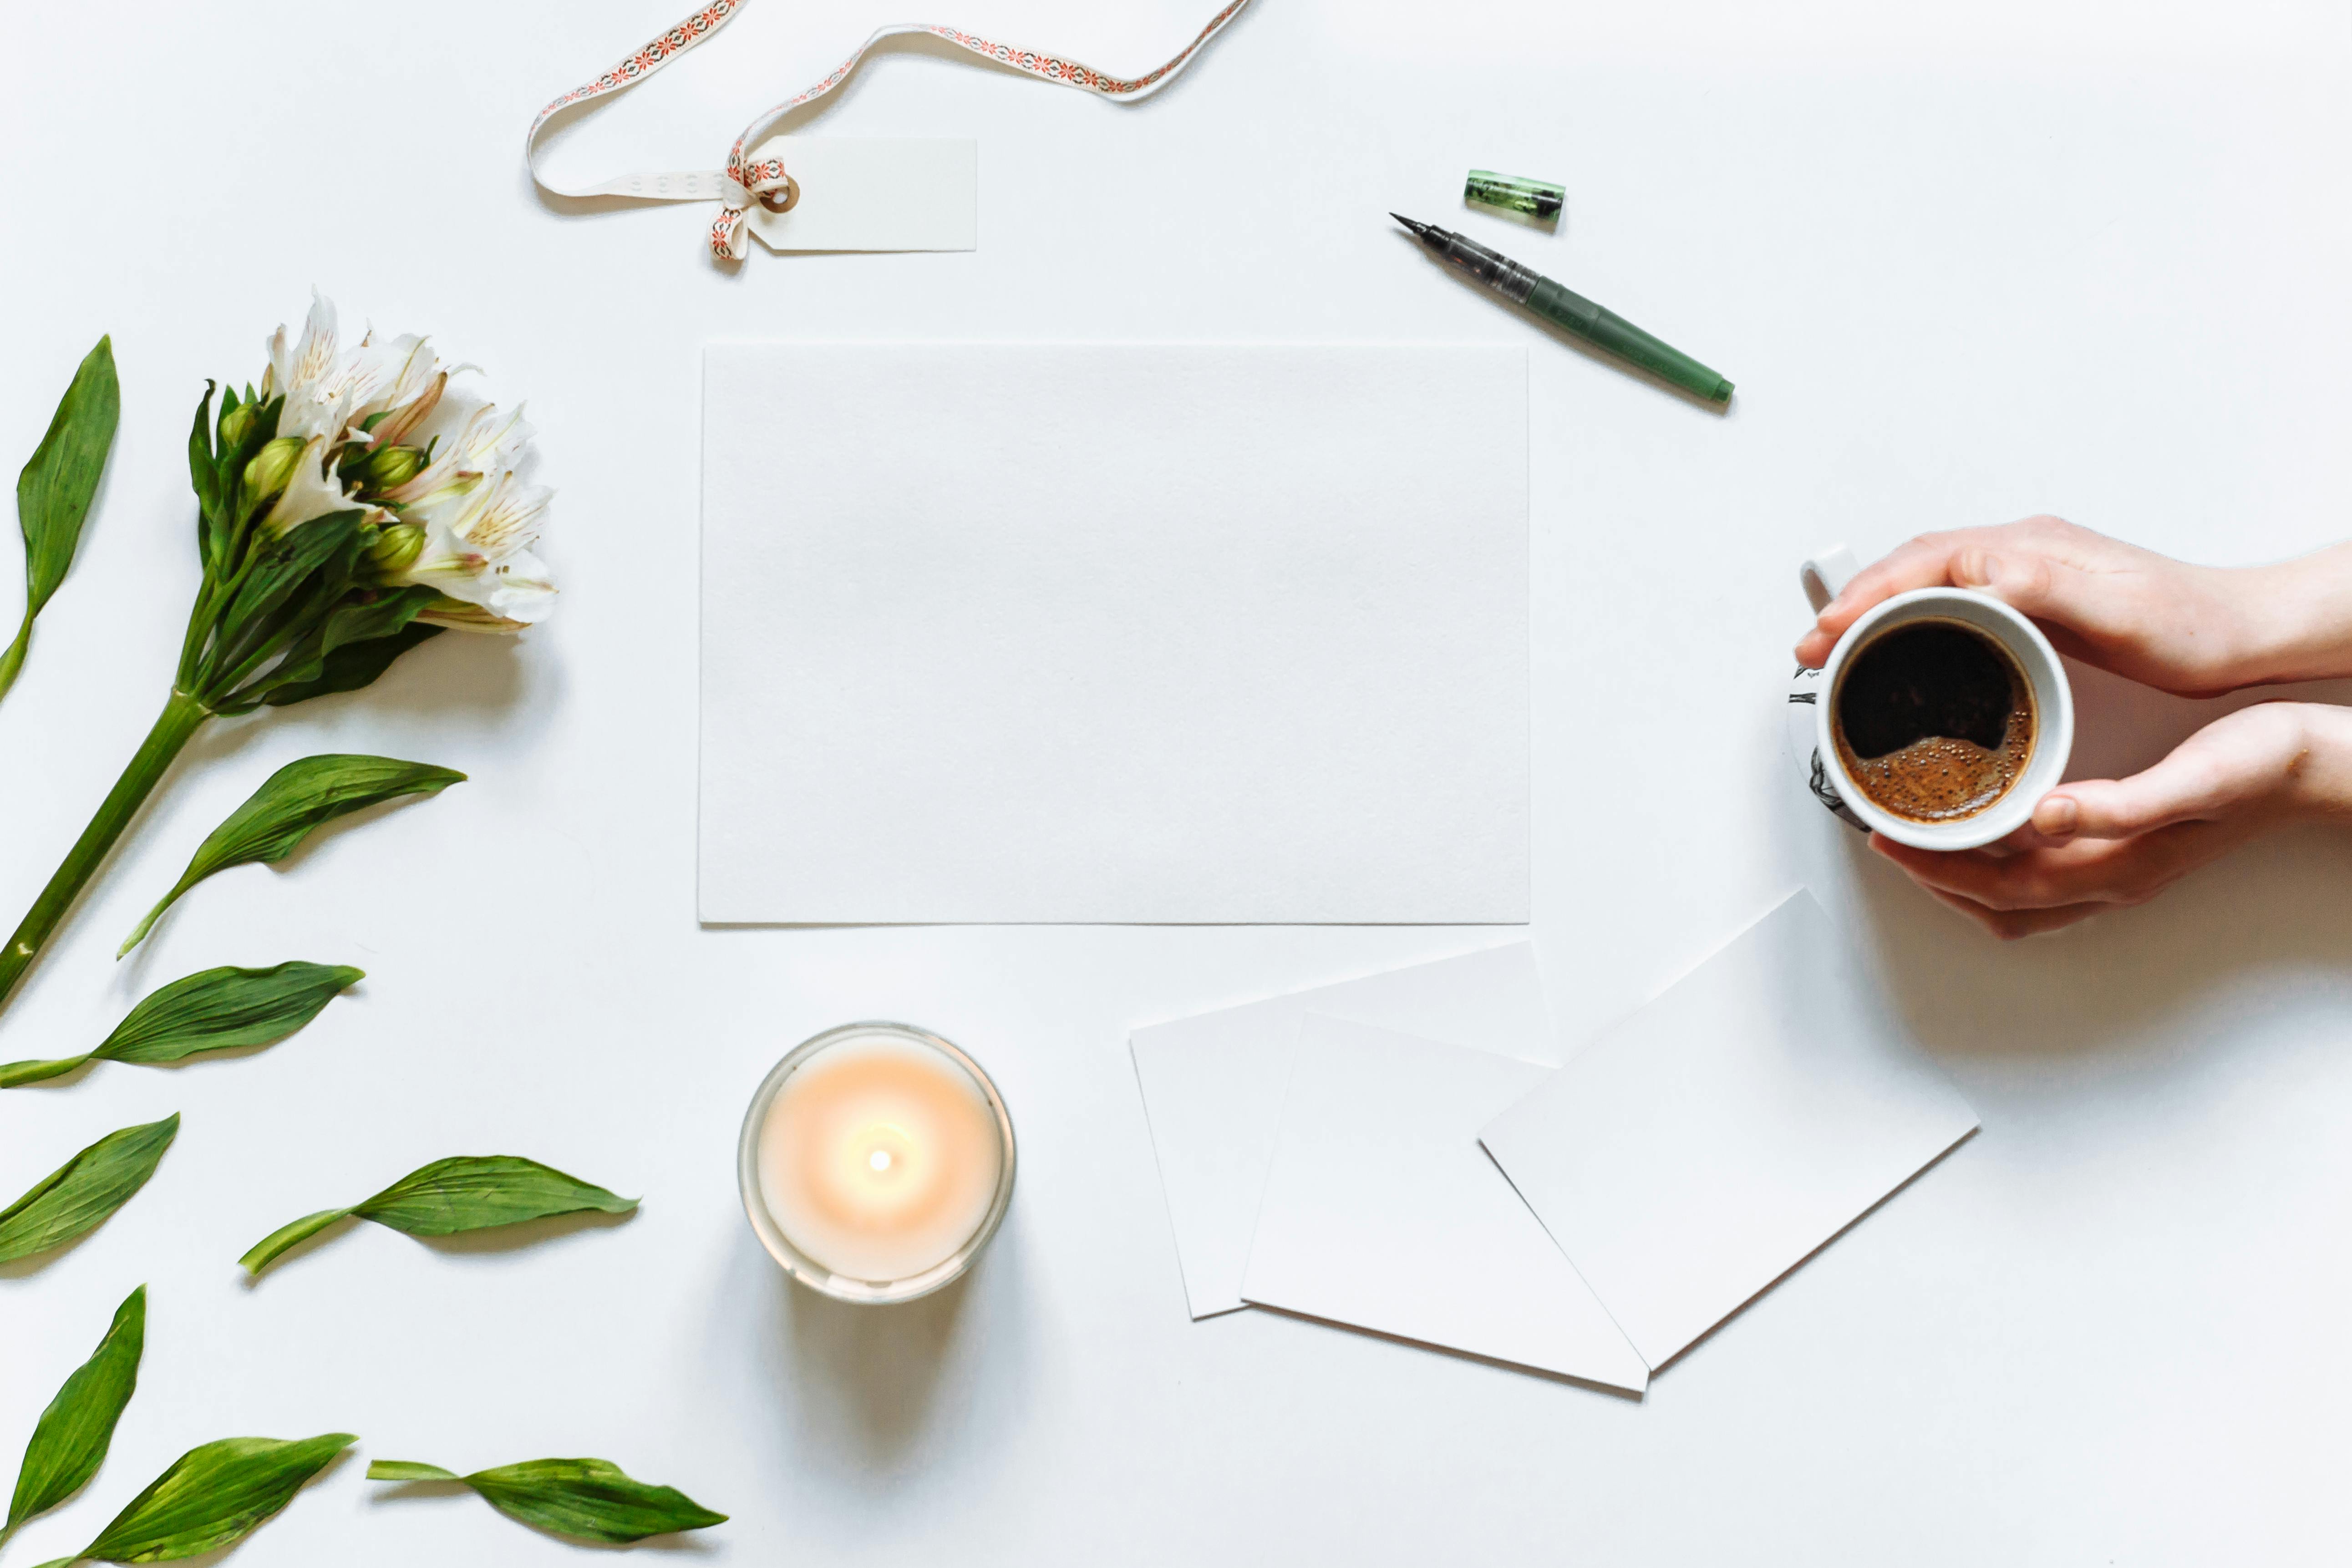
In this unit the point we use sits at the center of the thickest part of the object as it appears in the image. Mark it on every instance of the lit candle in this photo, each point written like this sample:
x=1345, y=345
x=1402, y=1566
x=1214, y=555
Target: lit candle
x=877, y=1160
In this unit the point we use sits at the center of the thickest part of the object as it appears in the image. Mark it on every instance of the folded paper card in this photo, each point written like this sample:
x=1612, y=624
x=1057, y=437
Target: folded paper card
x=1383, y=1212
x=1114, y=633
x=1214, y=1085
x=1698, y=1150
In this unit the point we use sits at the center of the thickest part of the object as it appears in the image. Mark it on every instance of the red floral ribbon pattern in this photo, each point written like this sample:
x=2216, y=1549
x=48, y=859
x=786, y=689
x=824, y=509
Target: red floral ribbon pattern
x=743, y=181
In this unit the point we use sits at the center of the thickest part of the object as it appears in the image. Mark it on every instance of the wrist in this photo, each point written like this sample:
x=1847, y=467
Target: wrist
x=2292, y=621
x=2316, y=782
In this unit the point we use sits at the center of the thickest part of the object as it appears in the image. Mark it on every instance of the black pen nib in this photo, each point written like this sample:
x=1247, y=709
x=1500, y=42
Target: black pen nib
x=1420, y=230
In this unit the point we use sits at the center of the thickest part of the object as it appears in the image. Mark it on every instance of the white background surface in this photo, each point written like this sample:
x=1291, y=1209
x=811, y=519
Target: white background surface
x=1964, y=264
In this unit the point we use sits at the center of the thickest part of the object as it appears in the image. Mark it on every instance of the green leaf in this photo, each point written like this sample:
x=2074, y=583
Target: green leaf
x=586, y=1500
x=206, y=481
x=466, y=1191
x=79, y=1194
x=380, y=618
x=222, y=1009
x=212, y=1495
x=286, y=584
x=214, y=1010
x=71, y=1440
x=476, y=1192
x=307, y=665
x=351, y=666
x=295, y=802
x=329, y=543
x=54, y=491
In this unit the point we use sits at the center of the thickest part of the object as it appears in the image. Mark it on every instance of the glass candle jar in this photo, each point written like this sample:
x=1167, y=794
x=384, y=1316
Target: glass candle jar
x=875, y=1161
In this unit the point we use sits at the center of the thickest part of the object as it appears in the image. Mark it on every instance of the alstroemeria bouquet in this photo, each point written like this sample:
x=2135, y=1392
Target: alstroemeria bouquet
x=349, y=508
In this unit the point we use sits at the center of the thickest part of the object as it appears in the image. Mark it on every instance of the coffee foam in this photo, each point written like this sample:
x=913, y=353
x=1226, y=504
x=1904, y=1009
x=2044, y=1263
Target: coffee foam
x=1935, y=776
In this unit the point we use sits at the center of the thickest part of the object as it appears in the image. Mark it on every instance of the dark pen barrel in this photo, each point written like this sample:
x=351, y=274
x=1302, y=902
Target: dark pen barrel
x=1607, y=330
x=1604, y=330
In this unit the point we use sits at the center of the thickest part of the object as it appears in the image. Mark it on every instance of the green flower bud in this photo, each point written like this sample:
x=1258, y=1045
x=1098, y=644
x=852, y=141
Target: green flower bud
x=395, y=549
x=235, y=423
x=272, y=468
x=389, y=468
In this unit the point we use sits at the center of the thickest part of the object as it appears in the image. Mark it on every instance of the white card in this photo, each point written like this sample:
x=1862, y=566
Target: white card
x=1212, y=1087
x=874, y=192
x=1382, y=1211
x=999, y=633
x=1711, y=1143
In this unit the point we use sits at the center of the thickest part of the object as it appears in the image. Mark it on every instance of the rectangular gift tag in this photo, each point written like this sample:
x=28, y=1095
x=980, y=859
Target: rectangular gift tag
x=874, y=192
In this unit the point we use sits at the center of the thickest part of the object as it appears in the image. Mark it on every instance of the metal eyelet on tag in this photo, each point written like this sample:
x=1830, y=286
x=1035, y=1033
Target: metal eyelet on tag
x=791, y=194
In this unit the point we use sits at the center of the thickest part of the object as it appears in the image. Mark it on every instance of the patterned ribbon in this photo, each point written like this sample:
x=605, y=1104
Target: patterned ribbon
x=743, y=182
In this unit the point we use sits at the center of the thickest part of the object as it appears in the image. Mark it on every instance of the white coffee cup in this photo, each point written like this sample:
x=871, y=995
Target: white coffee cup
x=1824, y=576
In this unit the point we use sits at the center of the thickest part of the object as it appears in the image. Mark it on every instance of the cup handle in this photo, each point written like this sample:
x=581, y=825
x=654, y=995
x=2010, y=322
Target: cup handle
x=1825, y=575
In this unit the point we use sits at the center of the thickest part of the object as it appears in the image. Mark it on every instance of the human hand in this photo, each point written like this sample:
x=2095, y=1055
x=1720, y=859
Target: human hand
x=2097, y=844
x=2188, y=629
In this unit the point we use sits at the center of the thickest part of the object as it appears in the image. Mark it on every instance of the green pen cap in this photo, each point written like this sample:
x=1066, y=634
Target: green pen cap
x=1538, y=199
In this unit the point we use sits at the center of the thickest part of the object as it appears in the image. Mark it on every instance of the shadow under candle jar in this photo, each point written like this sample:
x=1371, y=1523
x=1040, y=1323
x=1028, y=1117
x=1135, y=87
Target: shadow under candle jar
x=875, y=1161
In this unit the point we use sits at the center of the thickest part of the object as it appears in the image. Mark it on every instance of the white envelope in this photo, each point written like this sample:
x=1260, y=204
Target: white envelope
x=1711, y=1143
x=1114, y=633
x=1213, y=1084
x=1383, y=1212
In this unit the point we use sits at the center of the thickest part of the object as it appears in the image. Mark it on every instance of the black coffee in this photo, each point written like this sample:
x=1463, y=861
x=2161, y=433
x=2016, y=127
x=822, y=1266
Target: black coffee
x=1934, y=721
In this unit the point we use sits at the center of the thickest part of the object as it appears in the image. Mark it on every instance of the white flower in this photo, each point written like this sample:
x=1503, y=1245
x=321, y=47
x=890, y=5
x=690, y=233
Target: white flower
x=477, y=552
x=487, y=442
x=313, y=492
x=466, y=522
x=319, y=388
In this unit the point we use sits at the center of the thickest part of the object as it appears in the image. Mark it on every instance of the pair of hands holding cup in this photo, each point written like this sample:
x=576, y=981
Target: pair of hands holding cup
x=2193, y=630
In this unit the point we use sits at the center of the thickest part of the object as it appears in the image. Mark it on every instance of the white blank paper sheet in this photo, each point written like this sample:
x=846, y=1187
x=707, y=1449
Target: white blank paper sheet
x=1214, y=1085
x=1016, y=633
x=1711, y=1143
x=1382, y=1210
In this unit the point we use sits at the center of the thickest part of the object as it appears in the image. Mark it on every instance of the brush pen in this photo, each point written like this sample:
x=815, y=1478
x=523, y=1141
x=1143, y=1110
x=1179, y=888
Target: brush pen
x=1570, y=312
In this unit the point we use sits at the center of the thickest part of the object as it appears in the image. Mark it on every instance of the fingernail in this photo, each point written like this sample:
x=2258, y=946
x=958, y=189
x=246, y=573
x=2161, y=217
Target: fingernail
x=1976, y=569
x=2057, y=816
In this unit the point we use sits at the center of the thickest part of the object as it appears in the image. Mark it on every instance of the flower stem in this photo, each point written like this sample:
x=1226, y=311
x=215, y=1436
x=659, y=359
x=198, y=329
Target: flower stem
x=13, y=659
x=182, y=717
